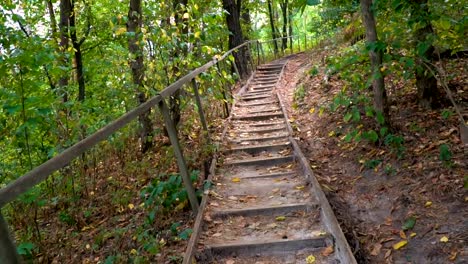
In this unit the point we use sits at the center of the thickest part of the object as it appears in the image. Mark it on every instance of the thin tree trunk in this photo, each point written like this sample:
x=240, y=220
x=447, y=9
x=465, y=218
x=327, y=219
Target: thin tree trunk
x=65, y=13
x=179, y=7
x=78, y=55
x=134, y=25
x=426, y=83
x=378, y=85
x=236, y=37
x=284, y=12
x=290, y=16
x=272, y=25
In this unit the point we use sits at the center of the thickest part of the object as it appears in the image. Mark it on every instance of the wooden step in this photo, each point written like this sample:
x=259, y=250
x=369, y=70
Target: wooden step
x=258, y=148
x=258, y=103
x=260, y=161
x=264, y=246
x=270, y=210
x=258, y=116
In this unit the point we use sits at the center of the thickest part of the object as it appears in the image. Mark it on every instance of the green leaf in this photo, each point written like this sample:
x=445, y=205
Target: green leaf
x=371, y=135
x=348, y=117
x=25, y=248
x=409, y=223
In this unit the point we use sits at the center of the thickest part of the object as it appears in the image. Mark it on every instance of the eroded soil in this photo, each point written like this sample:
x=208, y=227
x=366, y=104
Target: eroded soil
x=372, y=204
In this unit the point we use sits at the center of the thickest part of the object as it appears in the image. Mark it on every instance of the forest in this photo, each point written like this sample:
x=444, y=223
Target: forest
x=377, y=96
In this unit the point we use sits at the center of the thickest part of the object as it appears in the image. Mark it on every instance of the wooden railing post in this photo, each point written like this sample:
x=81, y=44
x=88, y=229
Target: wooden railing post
x=263, y=52
x=200, y=110
x=258, y=53
x=8, y=253
x=179, y=156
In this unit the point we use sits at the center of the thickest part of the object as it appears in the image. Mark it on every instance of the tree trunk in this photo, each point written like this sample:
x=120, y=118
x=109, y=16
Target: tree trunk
x=378, y=85
x=65, y=13
x=290, y=16
x=134, y=24
x=284, y=12
x=179, y=7
x=236, y=37
x=272, y=25
x=426, y=83
x=78, y=55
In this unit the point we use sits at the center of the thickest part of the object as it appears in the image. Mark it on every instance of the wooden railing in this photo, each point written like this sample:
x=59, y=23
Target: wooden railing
x=34, y=177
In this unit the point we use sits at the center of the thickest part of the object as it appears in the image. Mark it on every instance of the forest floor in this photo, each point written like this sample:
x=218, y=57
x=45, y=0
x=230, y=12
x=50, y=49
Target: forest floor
x=411, y=209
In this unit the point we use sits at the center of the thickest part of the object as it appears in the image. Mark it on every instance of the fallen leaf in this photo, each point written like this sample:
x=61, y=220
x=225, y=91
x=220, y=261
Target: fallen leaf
x=236, y=179
x=412, y=234
x=400, y=244
x=275, y=190
x=300, y=187
x=453, y=255
x=402, y=234
x=444, y=239
x=230, y=261
x=280, y=218
x=310, y=259
x=388, y=253
x=376, y=249
x=131, y=206
x=133, y=251
x=233, y=198
x=327, y=251
x=216, y=235
x=428, y=204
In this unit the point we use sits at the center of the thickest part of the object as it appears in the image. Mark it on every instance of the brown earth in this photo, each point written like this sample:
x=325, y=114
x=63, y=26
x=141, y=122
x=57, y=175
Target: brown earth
x=373, y=203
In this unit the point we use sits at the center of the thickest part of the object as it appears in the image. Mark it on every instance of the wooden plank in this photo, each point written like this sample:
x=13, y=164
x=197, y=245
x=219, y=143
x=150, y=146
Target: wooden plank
x=8, y=253
x=180, y=157
x=261, y=161
x=258, y=148
x=264, y=247
x=270, y=210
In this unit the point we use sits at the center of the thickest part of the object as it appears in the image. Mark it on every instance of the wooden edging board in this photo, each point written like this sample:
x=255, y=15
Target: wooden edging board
x=342, y=250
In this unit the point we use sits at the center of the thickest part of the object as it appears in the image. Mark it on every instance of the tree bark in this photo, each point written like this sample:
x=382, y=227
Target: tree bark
x=272, y=25
x=290, y=16
x=378, y=85
x=78, y=54
x=134, y=25
x=65, y=13
x=426, y=83
x=236, y=37
x=284, y=12
x=178, y=6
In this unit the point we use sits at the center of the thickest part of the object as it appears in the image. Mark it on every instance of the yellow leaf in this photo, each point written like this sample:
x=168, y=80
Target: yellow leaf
x=131, y=206
x=300, y=187
x=310, y=259
x=236, y=179
x=412, y=234
x=428, y=204
x=400, y=244
x=280, y=218
x=312, y=110
x=133, y=251
x=331, y=134
x=186, y=16
x=88, y=246
x=120, y=31
x=444, y=239
x=197, y=34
